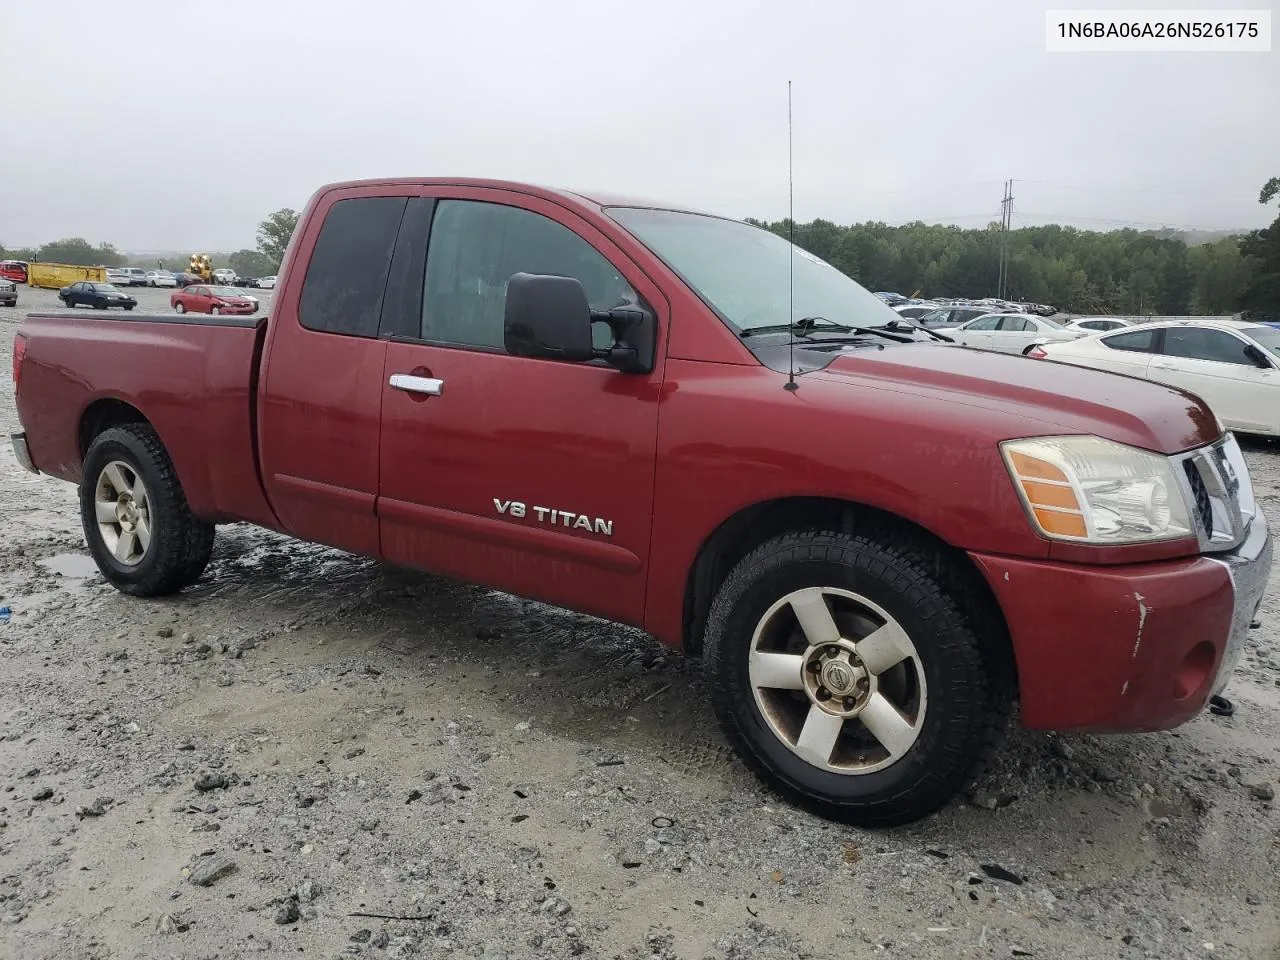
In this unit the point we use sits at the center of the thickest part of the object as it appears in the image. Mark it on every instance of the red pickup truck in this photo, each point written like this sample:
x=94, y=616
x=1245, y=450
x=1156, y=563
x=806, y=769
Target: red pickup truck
x=877, y=542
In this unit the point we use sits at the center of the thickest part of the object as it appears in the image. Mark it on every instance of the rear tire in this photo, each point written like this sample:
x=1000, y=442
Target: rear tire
x=179, y=308
x=139, y=528
x=889, y=737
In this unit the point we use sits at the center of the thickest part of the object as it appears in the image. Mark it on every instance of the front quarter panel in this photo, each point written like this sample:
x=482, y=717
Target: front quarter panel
x=731, y=437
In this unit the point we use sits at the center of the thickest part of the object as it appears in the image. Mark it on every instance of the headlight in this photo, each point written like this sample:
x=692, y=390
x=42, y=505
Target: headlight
x=1097, y=491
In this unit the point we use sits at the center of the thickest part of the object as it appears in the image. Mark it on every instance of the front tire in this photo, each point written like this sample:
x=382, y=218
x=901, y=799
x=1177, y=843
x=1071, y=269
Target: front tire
x=139, y=528
x=850, y=678
x=179, y=308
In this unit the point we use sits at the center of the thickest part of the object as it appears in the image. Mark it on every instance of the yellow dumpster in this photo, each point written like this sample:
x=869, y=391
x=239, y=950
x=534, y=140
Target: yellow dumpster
x=54, y=276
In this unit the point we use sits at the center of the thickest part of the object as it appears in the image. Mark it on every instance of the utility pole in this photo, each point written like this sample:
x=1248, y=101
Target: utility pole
x=1006, y=222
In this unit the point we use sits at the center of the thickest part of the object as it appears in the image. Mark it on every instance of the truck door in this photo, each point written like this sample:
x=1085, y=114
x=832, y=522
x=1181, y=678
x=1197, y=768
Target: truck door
x=528, y=475
x=321, y=390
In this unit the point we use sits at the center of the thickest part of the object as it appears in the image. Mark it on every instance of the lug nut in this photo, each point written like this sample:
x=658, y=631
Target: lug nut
x=814, y=666
x=849, y=703
x=833, y=651
x=824, y=693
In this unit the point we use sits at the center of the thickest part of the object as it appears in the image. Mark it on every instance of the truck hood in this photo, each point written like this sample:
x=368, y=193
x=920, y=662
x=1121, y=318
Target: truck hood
x=1029, y=397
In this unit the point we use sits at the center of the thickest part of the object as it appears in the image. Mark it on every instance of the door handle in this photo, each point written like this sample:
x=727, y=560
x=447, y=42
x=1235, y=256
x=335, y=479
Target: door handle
x=411, y=384
x=1162, y=366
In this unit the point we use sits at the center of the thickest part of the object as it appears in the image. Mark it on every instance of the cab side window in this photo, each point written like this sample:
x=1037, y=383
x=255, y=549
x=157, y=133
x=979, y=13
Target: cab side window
x=475, y=249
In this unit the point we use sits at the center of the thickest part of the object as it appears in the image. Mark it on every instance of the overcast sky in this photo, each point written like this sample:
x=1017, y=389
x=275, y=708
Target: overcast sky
x=137, y=124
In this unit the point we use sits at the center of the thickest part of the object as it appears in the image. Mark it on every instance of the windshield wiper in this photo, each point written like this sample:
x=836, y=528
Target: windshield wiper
x=807, y=326
x=804, y=323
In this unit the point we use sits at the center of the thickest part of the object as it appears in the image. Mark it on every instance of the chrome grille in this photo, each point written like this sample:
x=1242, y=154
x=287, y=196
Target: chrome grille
x=1203, y=506
x=1216, y=481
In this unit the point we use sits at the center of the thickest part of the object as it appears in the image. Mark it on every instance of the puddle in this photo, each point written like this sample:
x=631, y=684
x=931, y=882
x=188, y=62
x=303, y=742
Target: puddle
x=76, y=566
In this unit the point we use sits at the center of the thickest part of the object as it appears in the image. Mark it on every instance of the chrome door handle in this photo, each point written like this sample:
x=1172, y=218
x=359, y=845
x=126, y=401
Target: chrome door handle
x=411, y=384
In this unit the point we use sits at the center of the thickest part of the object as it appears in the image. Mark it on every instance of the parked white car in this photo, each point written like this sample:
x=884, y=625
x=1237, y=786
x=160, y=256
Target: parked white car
x=161, y=278
x=1011, y=332
x=267, y=283
x=225, y=275
x=1233, y=366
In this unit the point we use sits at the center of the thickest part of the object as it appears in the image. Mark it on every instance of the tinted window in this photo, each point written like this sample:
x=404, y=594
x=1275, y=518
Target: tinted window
x=1200, y=343
x=476, y=247
x=347, y=275
x=986, y=323
x=1140, y=341
x=1099, y=324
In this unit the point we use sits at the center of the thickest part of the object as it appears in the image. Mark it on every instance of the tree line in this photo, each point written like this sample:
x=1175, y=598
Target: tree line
x=273, y=237
x=1078, y=271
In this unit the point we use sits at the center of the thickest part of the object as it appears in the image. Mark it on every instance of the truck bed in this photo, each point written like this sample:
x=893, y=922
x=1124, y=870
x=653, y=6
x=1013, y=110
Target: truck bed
x=193, y=377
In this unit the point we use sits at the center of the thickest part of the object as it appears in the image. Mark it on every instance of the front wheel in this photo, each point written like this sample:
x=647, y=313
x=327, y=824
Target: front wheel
x=179, y=308
x=850, y=678
x=140, y=530
x=128, y=308
x=215, y=311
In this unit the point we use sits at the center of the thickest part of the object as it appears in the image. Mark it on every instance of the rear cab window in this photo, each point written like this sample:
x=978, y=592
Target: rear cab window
x=346, y=279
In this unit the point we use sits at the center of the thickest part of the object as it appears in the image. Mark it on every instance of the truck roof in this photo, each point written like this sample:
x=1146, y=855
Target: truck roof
x=593, y=198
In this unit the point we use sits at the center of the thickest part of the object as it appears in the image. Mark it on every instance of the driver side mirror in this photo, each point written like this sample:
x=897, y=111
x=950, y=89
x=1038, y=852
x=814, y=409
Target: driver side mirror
x=1257, y=356
x=550, y=317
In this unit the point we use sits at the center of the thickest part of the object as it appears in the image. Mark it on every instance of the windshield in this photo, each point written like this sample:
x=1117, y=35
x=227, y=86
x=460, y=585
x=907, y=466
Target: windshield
x=1267, y=337
x=744, y=272
x=225, y=292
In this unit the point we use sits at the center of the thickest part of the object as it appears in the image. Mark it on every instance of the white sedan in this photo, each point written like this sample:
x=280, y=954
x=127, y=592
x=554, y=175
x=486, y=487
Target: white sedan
x=266, y=283
x=1233, y=366
x=161, y=278
x=1011, y=332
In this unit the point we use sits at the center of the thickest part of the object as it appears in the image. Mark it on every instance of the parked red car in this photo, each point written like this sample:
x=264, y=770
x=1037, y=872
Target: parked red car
x=203, y=298
x=15, y=270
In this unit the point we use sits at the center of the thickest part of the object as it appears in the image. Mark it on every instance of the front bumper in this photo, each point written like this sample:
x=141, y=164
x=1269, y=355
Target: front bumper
x=1129, y=648
x=22, y=452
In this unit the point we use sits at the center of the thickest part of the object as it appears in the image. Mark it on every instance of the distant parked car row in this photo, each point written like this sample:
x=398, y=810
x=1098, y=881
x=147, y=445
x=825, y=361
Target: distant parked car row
x=223, y=276
x=987, y=304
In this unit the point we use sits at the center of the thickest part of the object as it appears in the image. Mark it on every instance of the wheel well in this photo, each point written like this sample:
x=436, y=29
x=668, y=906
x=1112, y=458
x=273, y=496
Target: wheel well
x=103, y=415
x=747, y=529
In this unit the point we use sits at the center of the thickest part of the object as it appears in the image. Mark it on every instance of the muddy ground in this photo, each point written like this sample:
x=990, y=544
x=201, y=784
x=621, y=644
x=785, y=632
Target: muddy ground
x=355, y=760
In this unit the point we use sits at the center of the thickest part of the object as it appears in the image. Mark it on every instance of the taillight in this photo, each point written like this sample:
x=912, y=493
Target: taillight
x=19, y=353
x=1037, y=352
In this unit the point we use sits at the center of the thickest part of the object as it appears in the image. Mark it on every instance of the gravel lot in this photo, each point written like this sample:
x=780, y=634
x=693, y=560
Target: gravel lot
x=314, y=754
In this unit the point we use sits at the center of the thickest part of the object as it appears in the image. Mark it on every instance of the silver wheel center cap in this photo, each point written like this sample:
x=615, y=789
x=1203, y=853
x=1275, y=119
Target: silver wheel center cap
x=838, y=677
x=126, y=513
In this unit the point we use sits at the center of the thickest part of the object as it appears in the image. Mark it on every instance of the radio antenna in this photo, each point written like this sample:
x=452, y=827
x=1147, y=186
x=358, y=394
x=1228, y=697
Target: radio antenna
x=791, y=254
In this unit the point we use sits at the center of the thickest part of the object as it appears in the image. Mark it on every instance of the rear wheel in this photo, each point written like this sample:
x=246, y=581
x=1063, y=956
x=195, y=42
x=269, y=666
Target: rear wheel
x=850, y=678
x=179, y=308
x=139, y=528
